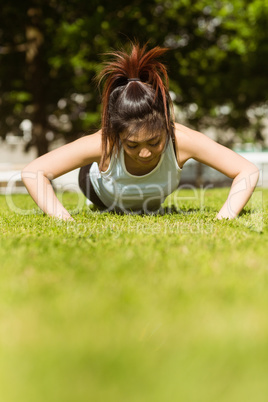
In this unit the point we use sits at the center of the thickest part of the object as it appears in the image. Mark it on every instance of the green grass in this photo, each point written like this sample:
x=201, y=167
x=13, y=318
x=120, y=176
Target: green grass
x=114, y=308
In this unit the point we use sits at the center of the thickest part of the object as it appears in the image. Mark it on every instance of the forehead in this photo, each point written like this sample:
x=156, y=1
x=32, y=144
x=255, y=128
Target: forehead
x=142, y=136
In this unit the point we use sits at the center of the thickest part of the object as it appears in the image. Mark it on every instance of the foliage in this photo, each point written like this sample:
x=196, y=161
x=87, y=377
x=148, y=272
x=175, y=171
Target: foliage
x=51, y=52
x=137, y=308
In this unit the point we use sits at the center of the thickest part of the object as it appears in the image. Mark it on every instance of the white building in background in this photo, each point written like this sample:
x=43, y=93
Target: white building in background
x=217, y=179
x=13, y=159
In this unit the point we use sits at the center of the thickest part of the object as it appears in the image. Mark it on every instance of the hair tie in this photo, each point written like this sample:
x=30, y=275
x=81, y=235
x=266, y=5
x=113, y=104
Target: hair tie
x=133, y=79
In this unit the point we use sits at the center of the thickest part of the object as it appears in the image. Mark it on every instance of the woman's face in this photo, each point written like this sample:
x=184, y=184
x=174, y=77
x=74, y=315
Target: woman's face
x=144, y=149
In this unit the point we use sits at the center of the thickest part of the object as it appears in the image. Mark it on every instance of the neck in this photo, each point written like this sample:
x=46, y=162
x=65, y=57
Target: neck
x=136, y=169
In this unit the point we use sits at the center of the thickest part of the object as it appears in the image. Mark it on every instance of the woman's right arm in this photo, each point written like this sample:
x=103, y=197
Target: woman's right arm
x=37, y=174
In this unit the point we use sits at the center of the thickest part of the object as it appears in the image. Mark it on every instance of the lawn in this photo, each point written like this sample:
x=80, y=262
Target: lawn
x=160, y=308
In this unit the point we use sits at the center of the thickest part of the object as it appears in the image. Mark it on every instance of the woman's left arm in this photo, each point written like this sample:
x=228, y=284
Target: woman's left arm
x=192, y=144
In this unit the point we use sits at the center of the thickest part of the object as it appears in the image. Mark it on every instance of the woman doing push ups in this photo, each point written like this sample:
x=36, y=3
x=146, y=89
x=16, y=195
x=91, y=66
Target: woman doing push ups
x=135, y=160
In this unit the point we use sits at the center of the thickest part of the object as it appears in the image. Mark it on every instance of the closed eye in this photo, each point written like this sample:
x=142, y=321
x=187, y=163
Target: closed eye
x=151, y=145
x=132, y=146
x=155, y=144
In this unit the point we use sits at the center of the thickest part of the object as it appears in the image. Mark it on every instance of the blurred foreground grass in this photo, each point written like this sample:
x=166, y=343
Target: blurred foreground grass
x=111, y=308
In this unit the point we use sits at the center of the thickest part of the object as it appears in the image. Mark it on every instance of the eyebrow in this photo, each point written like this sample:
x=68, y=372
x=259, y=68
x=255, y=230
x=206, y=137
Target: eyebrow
x=151, y=139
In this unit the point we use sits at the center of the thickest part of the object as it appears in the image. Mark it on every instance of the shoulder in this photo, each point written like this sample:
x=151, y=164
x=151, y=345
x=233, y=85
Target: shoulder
x=187, y=142
x=185, y=135
x=68, y=157
x=193, y=144
x=89, y=146
x=91, y=139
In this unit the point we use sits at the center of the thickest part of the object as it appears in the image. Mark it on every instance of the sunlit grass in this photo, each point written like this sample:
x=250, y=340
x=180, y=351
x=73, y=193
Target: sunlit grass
x=110, y=307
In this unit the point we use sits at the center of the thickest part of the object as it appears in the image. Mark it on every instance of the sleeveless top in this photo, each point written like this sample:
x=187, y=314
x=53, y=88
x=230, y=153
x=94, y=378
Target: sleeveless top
x=119, y=189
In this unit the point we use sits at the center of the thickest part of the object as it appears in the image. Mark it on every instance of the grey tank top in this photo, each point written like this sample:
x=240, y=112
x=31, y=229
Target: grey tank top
x=119, y=189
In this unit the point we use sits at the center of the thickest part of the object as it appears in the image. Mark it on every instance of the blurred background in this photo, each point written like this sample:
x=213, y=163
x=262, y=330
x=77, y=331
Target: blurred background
x=51, y=50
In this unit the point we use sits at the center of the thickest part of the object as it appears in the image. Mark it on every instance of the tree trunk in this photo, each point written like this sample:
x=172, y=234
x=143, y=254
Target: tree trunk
x=36, y=79
x=199, y=181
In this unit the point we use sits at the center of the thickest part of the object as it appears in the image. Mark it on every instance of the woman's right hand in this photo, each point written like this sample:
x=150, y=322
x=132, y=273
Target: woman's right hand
x=37, y=174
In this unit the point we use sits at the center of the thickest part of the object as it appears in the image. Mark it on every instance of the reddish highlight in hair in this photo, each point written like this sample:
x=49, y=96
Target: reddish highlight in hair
x=126, y=101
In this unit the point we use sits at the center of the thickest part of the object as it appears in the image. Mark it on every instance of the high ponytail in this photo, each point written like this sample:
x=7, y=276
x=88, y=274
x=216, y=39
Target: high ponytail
x=135, y=95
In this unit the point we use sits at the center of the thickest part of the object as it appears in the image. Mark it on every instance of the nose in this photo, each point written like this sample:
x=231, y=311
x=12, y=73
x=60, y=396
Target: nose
x=144, y=153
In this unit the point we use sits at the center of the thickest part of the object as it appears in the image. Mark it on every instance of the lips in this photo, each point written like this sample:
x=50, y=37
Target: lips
x=145, y=161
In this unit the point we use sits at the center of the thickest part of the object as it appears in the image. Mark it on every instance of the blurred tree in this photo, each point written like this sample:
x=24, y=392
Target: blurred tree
x=51, y=50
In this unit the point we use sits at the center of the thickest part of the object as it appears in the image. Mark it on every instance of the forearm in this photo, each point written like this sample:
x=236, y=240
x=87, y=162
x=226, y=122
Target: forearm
x=241, y=190
x=41, y=190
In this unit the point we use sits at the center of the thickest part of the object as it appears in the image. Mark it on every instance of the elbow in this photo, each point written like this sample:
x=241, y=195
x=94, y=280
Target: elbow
x=256, y=172
x=254, y=175
x=249, y=174
x=32, y=174
x=25, y=174
x=28, y=173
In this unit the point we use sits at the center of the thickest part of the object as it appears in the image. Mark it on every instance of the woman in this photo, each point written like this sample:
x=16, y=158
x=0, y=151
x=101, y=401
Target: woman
x=134, y=161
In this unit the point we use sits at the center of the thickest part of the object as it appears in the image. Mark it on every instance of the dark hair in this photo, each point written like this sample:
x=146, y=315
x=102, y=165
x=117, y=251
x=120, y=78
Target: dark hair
x=138, y=104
